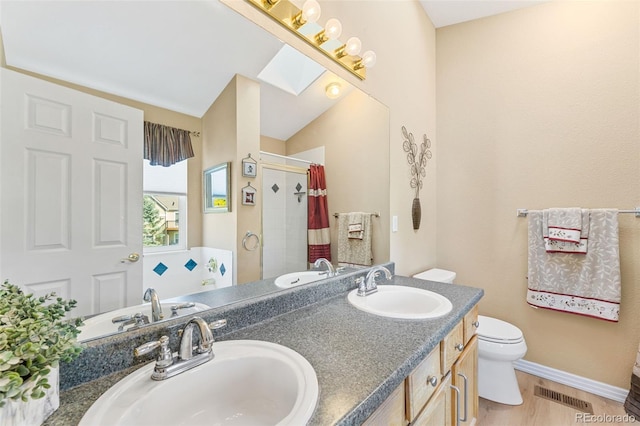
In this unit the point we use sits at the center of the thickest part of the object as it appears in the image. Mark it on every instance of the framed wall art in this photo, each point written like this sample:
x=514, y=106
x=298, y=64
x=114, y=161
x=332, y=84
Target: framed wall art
x=249, y=166
x=249, y=195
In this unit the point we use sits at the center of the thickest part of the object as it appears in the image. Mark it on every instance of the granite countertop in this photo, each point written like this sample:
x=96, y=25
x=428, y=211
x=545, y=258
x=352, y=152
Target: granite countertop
x=359, y=358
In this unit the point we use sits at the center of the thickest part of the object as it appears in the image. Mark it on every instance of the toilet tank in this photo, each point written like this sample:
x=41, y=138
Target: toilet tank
x=439, y=275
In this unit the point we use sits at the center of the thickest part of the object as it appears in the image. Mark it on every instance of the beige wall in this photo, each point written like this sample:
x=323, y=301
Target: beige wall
x=248, y=262
x=403, y=79
x=541, y=108
x=219, y=133
x=275, y=146
x=355, y=134
x=230, y=131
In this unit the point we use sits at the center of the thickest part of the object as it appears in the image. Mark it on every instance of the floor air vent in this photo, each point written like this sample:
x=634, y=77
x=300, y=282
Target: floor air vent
x=563, y=399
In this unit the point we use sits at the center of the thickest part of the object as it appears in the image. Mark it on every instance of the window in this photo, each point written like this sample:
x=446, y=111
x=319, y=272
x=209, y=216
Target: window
x=161, y=224
x=164, y=204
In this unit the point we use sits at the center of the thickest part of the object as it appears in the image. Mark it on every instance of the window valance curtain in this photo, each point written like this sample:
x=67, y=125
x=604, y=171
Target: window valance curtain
x=164, y=145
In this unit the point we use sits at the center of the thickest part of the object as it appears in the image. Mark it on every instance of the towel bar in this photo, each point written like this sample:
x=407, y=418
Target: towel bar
x=376, y=214
x=524, y=212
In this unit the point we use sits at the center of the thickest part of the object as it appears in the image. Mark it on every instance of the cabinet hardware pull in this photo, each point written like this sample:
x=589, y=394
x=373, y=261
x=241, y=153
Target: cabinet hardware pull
x=460, y=347
x=457, y=404
x=466, y=399
x=476, y=323
x=432, y=380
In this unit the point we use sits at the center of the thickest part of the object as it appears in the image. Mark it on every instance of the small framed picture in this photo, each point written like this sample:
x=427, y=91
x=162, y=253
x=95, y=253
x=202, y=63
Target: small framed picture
x=249, y=166
x=249, y=195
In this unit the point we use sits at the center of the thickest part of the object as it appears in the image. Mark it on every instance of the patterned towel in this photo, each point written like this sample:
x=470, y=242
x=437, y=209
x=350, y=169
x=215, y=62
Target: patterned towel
x=586, y=285
x=564, y=224
x=554, y=244
x=354, y=242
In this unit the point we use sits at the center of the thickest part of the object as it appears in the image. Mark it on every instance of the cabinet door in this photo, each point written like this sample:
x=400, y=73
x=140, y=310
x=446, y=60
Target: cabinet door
x=391, y=412
x=464, y=376
x=435, y=412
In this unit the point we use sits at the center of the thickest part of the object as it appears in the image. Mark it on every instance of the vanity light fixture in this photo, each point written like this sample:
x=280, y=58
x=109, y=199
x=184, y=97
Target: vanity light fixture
x=333, y=90
x=304, y=23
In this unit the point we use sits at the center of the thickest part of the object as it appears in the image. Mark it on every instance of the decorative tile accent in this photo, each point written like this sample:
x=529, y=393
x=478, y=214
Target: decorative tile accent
x=160, y=268
x=275, y=187
x=190, y=264
x=222, y=269
x=298, y=187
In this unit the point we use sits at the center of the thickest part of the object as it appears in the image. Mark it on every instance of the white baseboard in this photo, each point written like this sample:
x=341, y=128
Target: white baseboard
x=592, y=386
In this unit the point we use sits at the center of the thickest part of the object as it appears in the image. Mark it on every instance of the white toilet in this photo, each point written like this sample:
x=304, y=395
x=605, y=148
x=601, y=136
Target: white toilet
x=499, y=345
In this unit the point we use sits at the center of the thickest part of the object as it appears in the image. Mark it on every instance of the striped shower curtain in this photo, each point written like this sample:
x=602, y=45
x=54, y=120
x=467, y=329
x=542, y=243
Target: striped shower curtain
x=318, y=226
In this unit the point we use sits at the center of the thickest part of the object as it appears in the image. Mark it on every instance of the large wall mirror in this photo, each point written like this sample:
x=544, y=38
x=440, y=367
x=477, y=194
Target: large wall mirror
x=344, y=128
x=216, y=187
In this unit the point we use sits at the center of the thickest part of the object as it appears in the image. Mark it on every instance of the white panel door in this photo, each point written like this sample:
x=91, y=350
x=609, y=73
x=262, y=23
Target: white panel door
x=70, y=194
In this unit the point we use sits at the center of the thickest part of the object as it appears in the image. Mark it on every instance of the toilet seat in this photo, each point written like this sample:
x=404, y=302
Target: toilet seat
x=498, y=331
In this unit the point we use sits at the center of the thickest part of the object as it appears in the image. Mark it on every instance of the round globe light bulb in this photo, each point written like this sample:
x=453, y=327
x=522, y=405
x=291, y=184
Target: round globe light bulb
x=369, y=59
x=311, y=11
x=353, y=46
x=333, y=90
x=333, y=29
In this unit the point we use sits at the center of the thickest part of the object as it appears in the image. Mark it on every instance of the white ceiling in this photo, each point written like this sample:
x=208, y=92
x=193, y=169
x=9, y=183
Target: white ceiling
x=177, y=55
x=449, y=12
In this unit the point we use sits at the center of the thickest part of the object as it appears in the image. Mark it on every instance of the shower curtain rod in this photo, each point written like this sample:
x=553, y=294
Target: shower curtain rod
x=636, y=211
x=286, y=157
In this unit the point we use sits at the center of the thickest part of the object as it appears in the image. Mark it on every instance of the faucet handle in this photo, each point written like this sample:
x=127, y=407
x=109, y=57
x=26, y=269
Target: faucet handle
x=362, y=288
x=122, y=318
x=218, y=324
x=165, y=358
x=176, y=308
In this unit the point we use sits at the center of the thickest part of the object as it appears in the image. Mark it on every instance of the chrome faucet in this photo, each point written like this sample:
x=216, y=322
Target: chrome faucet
x=367, y=285
x=156, y=308
x=186, y=342
x=331, y=271
x=188, y=358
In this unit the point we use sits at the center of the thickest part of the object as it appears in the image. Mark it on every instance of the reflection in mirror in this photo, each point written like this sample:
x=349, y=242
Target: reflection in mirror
x=352, y=131
x=217, y=188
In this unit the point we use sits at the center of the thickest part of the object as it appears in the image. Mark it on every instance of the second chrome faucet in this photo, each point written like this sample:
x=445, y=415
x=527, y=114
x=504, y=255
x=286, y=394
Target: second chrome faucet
x=367, y=285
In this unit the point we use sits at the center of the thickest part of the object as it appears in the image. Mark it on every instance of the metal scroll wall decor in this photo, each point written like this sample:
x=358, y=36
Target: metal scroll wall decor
x=418, y=162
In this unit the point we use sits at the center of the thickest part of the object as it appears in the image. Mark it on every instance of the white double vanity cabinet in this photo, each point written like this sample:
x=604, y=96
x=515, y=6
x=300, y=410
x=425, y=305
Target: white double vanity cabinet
x=442, y=389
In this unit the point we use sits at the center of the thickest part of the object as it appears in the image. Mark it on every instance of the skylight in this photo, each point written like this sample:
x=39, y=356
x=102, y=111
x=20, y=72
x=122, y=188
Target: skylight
x=291, y=71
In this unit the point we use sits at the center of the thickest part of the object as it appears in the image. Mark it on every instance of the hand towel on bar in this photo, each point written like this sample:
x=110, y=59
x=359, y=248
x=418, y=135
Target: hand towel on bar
x=586, y=285
x=560, y=246
x=565, y=224
x=354, y=250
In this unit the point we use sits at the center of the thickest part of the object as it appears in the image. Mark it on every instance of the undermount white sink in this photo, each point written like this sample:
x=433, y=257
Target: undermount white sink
x=248, y=382
x=101, y=325
x=398, y=301
x=298, y=278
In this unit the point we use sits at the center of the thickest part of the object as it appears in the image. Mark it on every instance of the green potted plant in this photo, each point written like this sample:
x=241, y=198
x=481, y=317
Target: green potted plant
x=34, y=337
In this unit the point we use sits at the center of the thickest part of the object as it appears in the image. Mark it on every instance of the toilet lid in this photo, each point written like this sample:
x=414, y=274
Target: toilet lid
x=497, y=330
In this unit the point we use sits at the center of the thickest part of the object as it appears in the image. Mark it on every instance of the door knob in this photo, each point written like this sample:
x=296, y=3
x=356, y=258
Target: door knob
x=133, y=257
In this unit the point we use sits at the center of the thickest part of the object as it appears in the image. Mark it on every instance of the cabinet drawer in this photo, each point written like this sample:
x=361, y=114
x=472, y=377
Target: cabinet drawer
x=451, y=347
x=421, y=385
x=470, y=322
